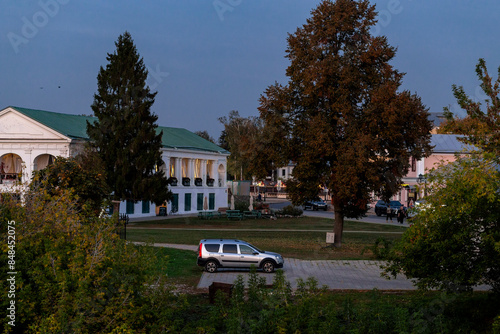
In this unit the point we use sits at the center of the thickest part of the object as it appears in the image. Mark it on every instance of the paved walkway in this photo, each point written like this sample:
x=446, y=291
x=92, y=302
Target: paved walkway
x=343, y=275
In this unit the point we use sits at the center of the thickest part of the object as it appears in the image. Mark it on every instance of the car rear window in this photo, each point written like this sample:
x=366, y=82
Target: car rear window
x=212, y=247
x=230, y=248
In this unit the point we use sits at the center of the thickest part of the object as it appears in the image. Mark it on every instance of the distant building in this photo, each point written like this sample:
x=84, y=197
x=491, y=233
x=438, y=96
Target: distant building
x=31, y=139
x=445, y=148
x=285, y=173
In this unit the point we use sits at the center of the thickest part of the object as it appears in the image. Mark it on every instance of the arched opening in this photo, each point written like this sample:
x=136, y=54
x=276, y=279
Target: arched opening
x=43, y=160
x=11, y=166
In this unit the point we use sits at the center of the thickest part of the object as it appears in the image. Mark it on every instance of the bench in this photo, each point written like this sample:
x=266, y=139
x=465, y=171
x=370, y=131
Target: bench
x=234, y=214
x=209, y=214
x=252, y=214
x=205, y=214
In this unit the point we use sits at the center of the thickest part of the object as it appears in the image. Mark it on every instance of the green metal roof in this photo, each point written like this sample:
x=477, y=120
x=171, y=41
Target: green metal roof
x=184, y=139
x=75, y=126
x=72, y=126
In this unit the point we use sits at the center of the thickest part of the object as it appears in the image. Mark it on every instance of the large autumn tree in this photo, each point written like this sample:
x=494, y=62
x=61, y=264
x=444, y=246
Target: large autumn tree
x=341, y=118
x=126, y=136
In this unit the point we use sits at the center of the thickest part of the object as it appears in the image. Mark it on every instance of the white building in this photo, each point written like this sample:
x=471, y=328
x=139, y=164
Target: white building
x=30, y=140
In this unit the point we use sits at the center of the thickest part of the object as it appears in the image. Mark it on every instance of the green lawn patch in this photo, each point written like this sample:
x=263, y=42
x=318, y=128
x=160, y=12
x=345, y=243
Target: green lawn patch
x=309, y=245
x=178, y=265
x=301, y=223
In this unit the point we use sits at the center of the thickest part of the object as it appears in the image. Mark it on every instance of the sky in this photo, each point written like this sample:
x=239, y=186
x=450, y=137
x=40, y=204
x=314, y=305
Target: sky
x=208, y=57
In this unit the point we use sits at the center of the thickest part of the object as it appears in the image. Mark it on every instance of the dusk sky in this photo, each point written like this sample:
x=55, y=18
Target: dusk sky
x=208, y=57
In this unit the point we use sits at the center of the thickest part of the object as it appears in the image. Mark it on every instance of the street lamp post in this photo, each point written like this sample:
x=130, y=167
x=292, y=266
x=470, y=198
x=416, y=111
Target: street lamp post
x=423, y=179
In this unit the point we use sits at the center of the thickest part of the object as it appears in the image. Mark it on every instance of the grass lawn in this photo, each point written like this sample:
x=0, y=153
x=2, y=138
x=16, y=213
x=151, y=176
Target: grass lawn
x=180, y=265
x=302, y=223
x=309, y=243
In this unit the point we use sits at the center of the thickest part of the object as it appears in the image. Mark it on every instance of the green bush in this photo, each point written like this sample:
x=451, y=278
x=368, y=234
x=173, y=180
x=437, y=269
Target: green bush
x=241, y=205
x=256, y=308
x=75, y=275
x=380, y=250
x=290, y=210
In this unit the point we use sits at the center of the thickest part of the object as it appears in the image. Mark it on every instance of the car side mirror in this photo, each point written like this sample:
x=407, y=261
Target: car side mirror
x=255, y=253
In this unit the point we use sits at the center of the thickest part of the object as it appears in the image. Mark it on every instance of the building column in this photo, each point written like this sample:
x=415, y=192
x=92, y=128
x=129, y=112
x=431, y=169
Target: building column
x=166, y=166
x=178, y=170
x=204, y=172
x=213, y=172
x=191, y=171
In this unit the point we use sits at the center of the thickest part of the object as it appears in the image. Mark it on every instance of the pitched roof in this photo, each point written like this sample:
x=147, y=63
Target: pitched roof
x=72, y=126
x=448, y=144
x=75, y=126
x=185, y=139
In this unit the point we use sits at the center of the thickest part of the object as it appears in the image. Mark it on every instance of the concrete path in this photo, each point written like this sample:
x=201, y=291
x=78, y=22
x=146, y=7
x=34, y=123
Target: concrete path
x=344, y=275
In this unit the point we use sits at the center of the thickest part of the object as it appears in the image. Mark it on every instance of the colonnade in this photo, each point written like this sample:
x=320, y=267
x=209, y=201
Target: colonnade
x=192, y=172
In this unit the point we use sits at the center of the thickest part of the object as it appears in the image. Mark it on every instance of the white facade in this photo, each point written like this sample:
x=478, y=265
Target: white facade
x=27, y=145
x=199, y=175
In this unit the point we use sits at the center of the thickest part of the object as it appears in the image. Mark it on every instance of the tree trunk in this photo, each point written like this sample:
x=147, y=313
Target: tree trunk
x=338, y=227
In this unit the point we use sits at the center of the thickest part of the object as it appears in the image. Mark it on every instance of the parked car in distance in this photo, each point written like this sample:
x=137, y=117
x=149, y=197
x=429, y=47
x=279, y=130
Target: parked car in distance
x=315, y=204
x=420, y=206
x=381, y=207
x=230, y=253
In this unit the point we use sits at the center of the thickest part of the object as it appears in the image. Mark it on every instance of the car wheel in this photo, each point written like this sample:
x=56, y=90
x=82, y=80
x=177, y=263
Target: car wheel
x=211, y=266
x=325, y=208
x=268, y=267
x=378, y=213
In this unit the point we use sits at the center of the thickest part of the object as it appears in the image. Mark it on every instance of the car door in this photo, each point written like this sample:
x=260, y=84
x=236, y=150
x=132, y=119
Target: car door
x=248, y=256
x=230, y=256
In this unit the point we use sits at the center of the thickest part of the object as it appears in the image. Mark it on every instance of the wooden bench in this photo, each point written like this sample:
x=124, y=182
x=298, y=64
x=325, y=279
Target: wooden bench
x=209, y=214
x=230, y=214
x=205, y=214
x=252, y=214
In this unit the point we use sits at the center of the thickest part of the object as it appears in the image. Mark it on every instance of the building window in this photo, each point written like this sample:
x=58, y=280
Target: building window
x=187, y=202
x=145, y=206
x=175, y=203
x=130, y=207
x=211, y=201
x=413, y=164
x=283, y=172
x=199, y=201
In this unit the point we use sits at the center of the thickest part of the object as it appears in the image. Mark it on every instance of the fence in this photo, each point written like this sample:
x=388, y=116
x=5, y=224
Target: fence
x=121, y=226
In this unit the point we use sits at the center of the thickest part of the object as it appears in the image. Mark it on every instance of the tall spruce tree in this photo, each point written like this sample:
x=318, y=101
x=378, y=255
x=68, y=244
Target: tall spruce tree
x=126, y=136
x=341, y=118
